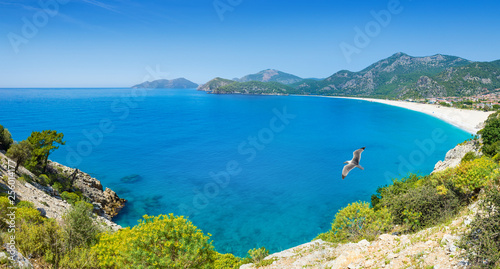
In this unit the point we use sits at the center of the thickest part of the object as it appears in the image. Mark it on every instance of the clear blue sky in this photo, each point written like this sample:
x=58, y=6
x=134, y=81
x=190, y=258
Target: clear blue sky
x=113, y=43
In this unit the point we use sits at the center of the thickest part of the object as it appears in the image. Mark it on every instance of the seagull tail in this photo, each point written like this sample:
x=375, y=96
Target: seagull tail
x=360, y=167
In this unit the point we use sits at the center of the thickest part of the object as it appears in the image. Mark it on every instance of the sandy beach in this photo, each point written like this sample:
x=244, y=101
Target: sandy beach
x=468, y=120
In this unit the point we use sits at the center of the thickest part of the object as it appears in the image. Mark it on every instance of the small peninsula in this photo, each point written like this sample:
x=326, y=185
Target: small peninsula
x=178, y=83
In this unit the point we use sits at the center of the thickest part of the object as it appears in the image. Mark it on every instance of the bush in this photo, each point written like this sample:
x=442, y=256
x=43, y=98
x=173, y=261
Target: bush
x=41, y=240
x=25, y=204
x=482, y=242
x=80, y=258
x=491, y=135
x=471, y=176
x=422, y=206
x=226, y=261
x=70, y=197
x=4, y=204
x=79, y=227
x=58, y=187
x=164, y=241
x=256, y=255
x=45, y=180
x=5, y=139
x=469, y=156
x=29, y=215
x=358, y=221
x=397, y=187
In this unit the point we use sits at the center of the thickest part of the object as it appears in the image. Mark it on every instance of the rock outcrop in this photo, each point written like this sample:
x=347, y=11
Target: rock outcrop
x=454, y=156
x=106, y=203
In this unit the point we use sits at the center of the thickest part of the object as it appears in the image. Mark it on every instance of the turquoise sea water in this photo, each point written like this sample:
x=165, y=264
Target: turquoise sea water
x=250, y=170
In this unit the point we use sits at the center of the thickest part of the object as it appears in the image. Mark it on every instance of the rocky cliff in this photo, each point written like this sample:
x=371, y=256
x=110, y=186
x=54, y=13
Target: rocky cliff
x=50, y=204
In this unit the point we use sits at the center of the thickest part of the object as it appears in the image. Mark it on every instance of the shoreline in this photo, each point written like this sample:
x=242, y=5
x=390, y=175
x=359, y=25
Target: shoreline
x=470, y=121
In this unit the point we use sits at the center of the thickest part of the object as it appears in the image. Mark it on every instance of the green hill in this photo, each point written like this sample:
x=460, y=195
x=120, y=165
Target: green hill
x=271, y=75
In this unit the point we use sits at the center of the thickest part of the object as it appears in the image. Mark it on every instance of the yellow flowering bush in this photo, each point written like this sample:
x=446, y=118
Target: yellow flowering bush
x=165, y=241
x=474, y=175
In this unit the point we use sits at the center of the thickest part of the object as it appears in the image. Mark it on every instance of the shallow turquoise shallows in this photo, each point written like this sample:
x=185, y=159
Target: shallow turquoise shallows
x=250, y=170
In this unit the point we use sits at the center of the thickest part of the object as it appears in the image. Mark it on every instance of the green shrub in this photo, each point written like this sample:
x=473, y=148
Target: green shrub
x=482, y=241
x=491, y=135
x=25, y=204
x=58, y=187
x=358, y=221
x=4, y=204
x=79, y=227
x=45, y=180
x=80, y=258
x=422, y=206
x=397, y=187
x=469, y=156
x=29, y=215
x=256, y=255
x=41, y=240
x=471, y=176
x=226, y=261
x=165, y=241
x=70, y=197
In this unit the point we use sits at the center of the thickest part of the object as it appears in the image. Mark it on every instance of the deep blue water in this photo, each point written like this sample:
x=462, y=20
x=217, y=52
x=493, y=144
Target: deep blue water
x=250, y=170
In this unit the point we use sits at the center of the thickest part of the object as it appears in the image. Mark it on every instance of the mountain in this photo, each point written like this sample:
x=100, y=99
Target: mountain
x=271, y=75
x=395, y=76
x=255, y=87
x=214, y=84
x=178, y=83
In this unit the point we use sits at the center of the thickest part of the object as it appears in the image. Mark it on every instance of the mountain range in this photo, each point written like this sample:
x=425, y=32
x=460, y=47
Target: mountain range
x=398, y=76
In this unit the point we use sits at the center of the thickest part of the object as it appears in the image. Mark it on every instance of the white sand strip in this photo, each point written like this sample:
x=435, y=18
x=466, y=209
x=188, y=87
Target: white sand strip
x=468, y=120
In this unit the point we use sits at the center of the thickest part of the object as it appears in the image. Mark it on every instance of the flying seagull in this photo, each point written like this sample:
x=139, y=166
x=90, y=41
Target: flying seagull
x=356, y=156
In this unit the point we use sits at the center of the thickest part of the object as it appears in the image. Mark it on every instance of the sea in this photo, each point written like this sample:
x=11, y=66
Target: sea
x=252, y=171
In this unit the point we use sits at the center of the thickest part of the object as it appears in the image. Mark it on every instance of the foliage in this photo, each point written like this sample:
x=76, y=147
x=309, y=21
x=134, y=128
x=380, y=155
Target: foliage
x=5, y=138
x=469, y=156
x=41, y=240
x=491, y=135
x=43, y=143
x=471, y=176
x=256, y=255
x=29, y=215
x=25, y=204
x=482, y=241
x=80, y=258
x=358, y=221
x=398, y=186
x=70, y=197
x=226, y=261
x=255, y=87
x=19, y=152
x=4, y=210
x=165, y=241
x=79, y=227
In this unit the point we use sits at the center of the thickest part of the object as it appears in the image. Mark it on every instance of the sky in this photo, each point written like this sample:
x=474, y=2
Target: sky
x=120, y=43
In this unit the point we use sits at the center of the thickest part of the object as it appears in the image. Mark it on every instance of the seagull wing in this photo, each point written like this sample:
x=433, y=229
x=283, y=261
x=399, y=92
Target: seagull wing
x=347, y=169
x=356, y=155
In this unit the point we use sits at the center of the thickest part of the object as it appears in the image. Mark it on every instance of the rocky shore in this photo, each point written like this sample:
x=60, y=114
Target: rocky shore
x=49, y=202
